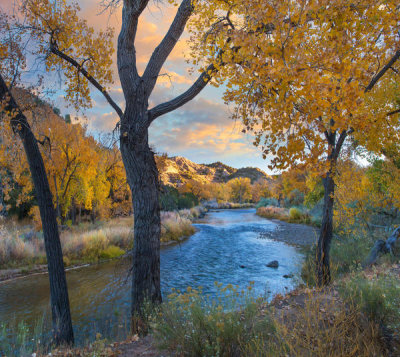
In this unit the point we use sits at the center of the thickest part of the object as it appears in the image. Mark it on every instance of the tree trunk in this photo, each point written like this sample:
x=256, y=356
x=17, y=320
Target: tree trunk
x=58, y=210
x=326, y=233
x=142, y=175
x=62, y=325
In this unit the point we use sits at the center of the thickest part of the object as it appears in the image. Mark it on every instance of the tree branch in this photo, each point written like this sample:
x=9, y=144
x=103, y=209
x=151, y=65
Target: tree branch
x=339, y=144
x=185, y=97
x=168, y=43
x=126, y=53
x=85, y=73
x=393, y=112
x=381, y=73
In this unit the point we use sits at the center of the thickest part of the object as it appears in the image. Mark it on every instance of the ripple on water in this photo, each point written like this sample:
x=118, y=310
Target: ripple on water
x=226, y=248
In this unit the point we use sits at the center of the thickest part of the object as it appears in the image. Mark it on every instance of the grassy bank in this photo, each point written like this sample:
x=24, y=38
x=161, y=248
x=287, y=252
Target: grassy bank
x=359, y=315
x=227, y=205
x=87, y=243
x=290, y=215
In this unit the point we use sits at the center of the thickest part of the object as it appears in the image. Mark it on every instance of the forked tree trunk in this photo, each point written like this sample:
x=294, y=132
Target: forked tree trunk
x=142, y=175
x=62, y=325
x=326, y=233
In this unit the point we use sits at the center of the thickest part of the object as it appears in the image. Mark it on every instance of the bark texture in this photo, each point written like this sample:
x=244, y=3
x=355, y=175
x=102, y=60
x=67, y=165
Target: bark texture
x=326, y=233
x=61, y=316
x=142, y=176
x=335, y=143
x=134, y=123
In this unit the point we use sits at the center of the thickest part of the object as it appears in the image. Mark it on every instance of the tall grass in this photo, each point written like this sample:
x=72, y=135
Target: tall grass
x=311, y=323
x=91, y=242
x=322, y=325
x=18, y=339
x=191, y=324
x=348, y=252
x=15, y=248
x=175, y=226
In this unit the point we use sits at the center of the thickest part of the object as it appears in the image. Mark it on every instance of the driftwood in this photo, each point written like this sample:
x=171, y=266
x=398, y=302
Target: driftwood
x=382, y=247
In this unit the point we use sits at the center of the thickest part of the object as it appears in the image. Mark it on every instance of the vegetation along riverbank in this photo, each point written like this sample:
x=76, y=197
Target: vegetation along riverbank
x=22, y=251
x=91, y=103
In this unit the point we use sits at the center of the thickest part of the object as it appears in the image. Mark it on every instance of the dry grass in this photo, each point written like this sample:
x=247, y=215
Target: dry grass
x=273, y=212
x=15, y=248
x=293, y=215
x=175, y=226
x=321, y=324
x=90, y=242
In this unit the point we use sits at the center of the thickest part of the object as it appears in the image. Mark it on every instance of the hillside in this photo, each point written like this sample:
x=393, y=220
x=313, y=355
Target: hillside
x=177, y=170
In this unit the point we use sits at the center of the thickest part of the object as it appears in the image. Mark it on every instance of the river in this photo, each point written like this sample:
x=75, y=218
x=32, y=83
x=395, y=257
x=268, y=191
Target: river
x=226, y=248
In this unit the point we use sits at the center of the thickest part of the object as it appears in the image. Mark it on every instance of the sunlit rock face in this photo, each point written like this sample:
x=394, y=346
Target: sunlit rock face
x=177, y=170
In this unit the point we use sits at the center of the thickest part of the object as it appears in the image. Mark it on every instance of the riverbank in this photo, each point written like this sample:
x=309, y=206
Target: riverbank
x=340, y=320
x=23, y=254
x=295, y=234
x=344, y=319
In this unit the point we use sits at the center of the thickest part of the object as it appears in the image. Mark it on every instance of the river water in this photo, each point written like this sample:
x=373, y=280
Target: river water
x=226, y=248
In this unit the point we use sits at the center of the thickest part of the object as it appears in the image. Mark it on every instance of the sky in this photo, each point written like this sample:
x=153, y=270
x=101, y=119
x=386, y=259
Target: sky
x=201, y=130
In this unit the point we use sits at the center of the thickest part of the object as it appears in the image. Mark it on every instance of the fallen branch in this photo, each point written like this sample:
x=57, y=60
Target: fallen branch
x=382, y=247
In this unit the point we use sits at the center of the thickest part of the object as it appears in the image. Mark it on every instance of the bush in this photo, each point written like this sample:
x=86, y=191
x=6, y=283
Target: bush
x=347, y=254
x=295, y=198
x=14, y=248
x=324, y=326
x=378, y=298
x=295, y=213
x=111, y=252
x=187, y=200
x=273, y=212
x=191, y=324
x=267, y=202
x=174, y=227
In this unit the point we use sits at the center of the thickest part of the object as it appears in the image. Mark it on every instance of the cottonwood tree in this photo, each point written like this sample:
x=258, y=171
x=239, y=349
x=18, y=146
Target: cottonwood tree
x=67, y=42
x=11, y=60
x=301, y=75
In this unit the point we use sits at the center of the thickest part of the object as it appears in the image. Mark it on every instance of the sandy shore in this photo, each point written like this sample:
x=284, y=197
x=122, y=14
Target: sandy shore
x=293, y=234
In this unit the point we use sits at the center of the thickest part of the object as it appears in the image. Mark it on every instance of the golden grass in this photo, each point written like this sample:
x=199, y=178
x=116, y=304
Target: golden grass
x=323, y=325
x=89, y=242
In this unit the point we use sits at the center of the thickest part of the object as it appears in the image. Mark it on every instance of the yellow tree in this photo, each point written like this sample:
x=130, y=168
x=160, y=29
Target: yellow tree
x=120, y=194
x=240, y=189
x=68, y=43
x=300, y=75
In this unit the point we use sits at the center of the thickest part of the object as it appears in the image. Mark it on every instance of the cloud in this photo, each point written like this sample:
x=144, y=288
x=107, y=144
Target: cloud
x=103, y=123
x=202, y=130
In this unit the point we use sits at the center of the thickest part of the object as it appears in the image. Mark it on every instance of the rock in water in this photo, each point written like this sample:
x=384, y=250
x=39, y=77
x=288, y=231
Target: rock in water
x=273, y=264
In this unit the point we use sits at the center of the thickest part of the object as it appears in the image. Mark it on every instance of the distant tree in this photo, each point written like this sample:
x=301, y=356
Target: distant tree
x=240, y=189
x=261, y=188
x=302, y=76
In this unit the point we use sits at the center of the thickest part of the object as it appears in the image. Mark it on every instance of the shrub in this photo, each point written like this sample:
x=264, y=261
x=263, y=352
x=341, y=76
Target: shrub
x=174, y=227
x=272, y=212
x=191, y=324
x=377, y=297
x=295, y=198
x=295, y=213
x=347, y=254
x=13, y=248
x=111, y=252
x=325, y=326
x=267, y=202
